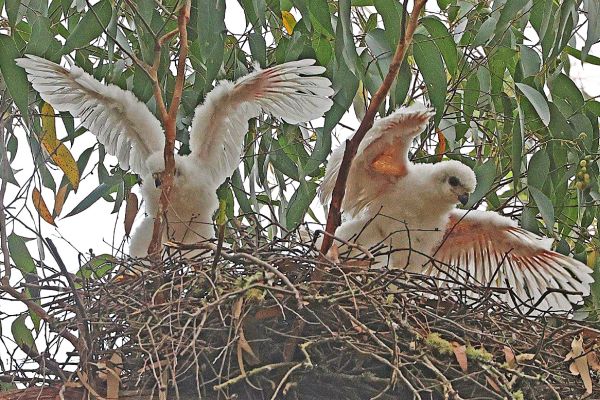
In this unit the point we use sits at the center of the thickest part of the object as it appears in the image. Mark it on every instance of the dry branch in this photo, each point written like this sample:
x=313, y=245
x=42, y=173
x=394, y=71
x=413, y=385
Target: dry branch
x=169, y=120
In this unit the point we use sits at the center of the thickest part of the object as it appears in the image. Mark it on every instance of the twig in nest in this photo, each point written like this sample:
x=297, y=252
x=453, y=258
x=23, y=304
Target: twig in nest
x=247, y=258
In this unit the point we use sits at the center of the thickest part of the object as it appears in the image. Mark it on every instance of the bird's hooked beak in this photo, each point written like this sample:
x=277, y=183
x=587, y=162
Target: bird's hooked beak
x=464, y=199
x=157, y=180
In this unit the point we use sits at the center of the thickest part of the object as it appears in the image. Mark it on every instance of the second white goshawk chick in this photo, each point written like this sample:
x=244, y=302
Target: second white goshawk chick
x=411, y=209
x=129, y=131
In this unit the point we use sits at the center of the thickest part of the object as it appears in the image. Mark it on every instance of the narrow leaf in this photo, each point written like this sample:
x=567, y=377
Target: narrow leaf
x=59, y=153
x=91, y=26
x=90, y=199
x=131, y=210
x=429, y=61
x=41, y=207
x=538, y=169
x=289, y=22
x=59, y=200
x=14, y=77
x=545, y=206
x=299, y=203
x=537, y=100
x=20, y=254
x=22, y=335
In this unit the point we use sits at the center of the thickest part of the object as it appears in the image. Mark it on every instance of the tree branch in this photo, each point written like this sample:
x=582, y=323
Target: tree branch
x=169, y=120
x=334, y=216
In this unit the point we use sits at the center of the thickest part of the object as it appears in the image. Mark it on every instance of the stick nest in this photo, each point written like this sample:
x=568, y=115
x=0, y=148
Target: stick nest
x=253, y=323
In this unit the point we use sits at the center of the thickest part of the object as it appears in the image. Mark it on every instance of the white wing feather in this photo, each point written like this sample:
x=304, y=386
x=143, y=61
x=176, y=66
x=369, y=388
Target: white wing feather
x=289, y=91
x=387, y=142
x=122, y=123
x=487, y=249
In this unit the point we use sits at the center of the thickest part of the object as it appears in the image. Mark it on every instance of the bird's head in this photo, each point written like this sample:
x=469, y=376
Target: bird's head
x=156, y=167
x=455, y=181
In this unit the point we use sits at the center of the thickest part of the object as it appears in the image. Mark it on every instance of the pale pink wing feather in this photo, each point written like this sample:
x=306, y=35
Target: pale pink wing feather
x=292, y=91
x=485, y=248
x=122, y=123
x=381, y=158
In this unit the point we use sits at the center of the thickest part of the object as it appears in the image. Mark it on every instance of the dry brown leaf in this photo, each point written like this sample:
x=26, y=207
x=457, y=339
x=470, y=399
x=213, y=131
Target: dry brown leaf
x=579, y=366
x=493, y=383
x=333, y=254
x=593, y=360
x=460, y=352
x=59, y=153
x=245, y=348
x=113, y=380
x=236, y=310
x=131, y=211
x=525, y=357
x=41, y=207
x=59, y=200
x=440, y=149
x=509, y=356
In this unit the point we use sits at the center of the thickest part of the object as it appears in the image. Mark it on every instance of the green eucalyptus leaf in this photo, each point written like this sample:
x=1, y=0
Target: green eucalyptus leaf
x=97, y=267
x=429, y=60
x=545, y=206
x=20, y=254
x=92, y=25
x=592, y=8
x=486, y=174
x=103, y=190
x=391, y=13
x=22, y=335
x=444, y=41
x=299, y=203
x=537, y=100
x=538, y=169
x=14, y=77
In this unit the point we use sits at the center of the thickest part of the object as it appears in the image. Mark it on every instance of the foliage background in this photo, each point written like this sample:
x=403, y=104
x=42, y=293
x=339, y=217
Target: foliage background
x=497, y=74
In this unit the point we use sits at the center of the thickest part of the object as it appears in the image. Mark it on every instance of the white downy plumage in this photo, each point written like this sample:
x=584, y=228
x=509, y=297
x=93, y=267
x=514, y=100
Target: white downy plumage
x=411, y=209
x=128, y=130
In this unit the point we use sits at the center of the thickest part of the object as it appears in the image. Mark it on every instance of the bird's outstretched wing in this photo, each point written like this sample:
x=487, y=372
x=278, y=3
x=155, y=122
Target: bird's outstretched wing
x=122, y=123
x=289, y=91
x=485, y=248
x=381, y=157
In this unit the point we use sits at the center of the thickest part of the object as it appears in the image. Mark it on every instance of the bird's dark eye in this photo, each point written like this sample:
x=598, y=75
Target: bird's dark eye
x=453, y=181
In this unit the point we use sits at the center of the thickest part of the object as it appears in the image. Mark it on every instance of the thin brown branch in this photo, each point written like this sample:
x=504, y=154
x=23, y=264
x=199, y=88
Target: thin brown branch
x=36, y=308
x=334, y=216
x=169, y=119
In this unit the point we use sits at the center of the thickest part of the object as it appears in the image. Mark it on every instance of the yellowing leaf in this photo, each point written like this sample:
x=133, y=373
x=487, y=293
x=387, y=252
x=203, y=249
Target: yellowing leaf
x=59, y=153
x=59, y=200
x=41, y=207
x=130, y=212
x=48, y=124
x=289, y=22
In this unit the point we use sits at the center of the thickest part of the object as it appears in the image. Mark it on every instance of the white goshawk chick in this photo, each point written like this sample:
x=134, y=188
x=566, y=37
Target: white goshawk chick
x=411, y=208
x=129, y=131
